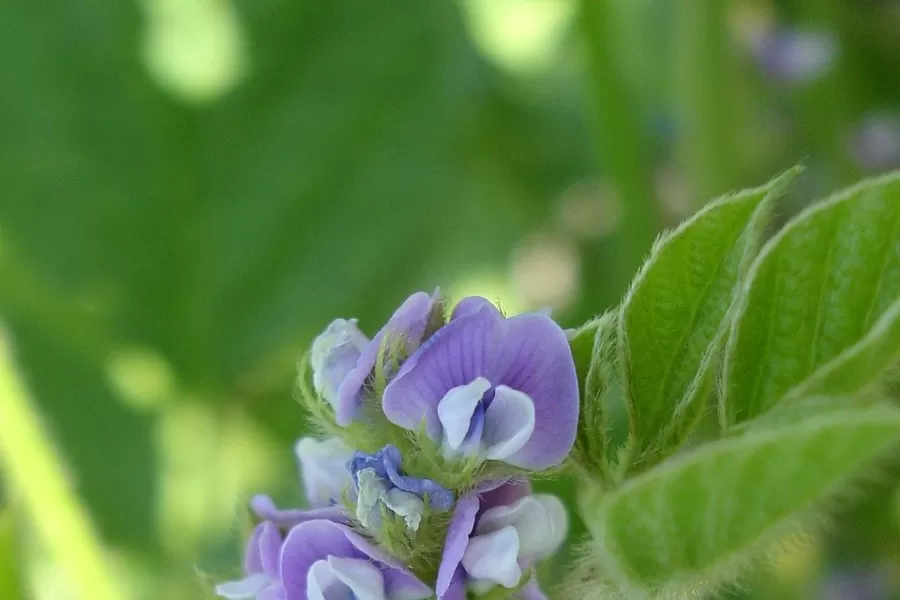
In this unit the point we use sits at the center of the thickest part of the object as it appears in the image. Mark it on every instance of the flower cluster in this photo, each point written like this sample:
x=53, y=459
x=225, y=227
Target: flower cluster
x=418, y=485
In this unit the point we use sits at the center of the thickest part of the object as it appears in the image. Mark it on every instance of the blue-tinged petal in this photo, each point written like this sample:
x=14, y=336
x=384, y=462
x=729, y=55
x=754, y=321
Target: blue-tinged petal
x=461, y=526
x=334, y=354
x=323, y=468
x=534, y=358
x=386, y=464
x=494, y=557
x=532, y=591
x=456, y=408
x=266, y=510
x=306, y=544
x=508, y=424
x=361, y=578
x=456, y=355
x=248, y=587
x=409, y=322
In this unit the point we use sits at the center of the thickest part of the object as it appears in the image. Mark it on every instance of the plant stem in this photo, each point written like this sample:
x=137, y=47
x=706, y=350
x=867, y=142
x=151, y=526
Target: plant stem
x=705, y=98
x=37, y=478
x=620, y=139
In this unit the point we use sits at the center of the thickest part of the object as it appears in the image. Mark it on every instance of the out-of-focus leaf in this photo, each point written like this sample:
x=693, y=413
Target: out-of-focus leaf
x=11, y=563
x=817, y=288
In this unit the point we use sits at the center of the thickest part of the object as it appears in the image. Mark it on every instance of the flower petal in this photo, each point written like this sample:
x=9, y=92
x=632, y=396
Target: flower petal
x=399, y=583
x=535, y=359
x=245, y=588
x=408, y=321
x=504, y=493
x=273, y=592
x=508, y=423
x=266, y=510
x=306, y=544
x=461, y=526
x=456, y=408
x=363, y=579
x=494, y=557
x=540, y=521
x=270, y=549
x=532, y=591
x=469, y=305
x=252, y=558
x=334, y=354
x=407, y=505
x=458, y=354
x=323, y=468
x=457, y=588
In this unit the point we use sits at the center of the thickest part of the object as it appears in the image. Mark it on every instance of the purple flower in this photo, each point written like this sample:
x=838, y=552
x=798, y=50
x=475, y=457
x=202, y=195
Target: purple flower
x=320, y=559
x=498, y=388
x=323, y=468
x=334, y=355
x=323, y=559
x=262, y=565
x=378, y=481
x=409, y=322
x=795, y=56
x=495, y=536
x=876, y=142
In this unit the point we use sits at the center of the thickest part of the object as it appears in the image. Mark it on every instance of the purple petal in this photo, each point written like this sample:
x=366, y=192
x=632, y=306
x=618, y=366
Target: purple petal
x=273, y=592
x=269, y=549
x=461, y=527
x=252, y=558
x=399, y=583
x=307, y=543
x=534, y=358
x=470, y=305
x=457, y=588
x=386, y=464
x=532, y=591
x=408, y=321
x=334, y=354
x=456, y=355
x=505, y=494
x=266, y=510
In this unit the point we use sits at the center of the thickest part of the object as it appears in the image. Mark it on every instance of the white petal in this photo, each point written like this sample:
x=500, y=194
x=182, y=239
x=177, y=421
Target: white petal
x=333, y=355
x=322, y=582
x=371, y=489
x=245, y=588
x=508, y=423
x=494, y=557
x=360, y=576
x=407, y=505
x=456, y=408
x=323, y=467
x=539, y=520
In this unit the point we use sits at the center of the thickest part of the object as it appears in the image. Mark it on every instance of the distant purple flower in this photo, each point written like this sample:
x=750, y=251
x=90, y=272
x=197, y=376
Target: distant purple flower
x=496, y=536
x=501, y=389
x=795, y=56
x=323, y=559
x=867, y=584
x=876, y=142
x=409, y=322
x=323, y=468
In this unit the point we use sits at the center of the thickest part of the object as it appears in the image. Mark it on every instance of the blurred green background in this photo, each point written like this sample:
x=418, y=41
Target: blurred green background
x=191, y=189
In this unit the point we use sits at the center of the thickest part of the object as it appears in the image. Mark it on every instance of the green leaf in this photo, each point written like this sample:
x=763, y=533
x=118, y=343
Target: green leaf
x=594, y=349
x=816, y=290
x=699, y=519
x=860, y=366
x=671, y=328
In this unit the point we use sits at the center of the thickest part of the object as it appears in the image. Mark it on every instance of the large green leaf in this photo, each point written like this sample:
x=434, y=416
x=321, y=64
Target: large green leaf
x=671, y=328
x=695, y=521
x=860, y=366
x=817, y=288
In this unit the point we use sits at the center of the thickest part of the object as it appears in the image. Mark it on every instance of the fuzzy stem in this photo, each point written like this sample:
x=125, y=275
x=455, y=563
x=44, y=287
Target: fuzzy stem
x=36, y=475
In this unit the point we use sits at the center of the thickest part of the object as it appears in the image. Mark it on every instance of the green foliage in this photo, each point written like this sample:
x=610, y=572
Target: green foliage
x=694, y=521
x=11, y=570
x=671, y=330
x=860, y=366
x=816, y=290
x=594, y=348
